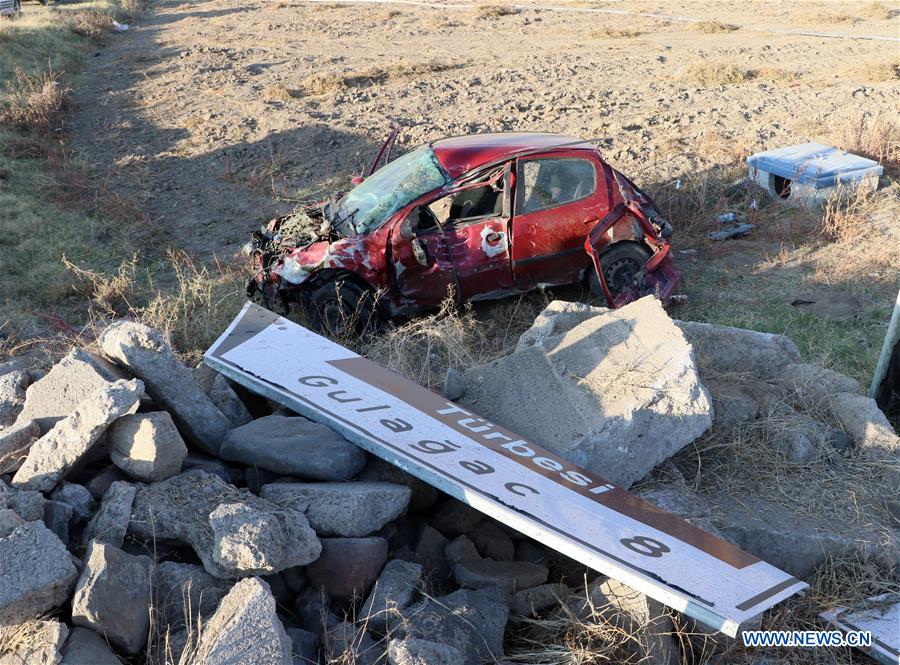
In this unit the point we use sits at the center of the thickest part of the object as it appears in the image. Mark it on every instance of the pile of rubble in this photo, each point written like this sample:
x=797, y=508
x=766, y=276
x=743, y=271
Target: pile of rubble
x=150, y=508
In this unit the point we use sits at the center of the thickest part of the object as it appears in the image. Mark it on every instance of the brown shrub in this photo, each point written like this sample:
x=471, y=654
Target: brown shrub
x=494, y=11
x=91, y=24
x=710, y=27
x=874, y=137
x=34, y=101
x=321, y=84
x=614, y=33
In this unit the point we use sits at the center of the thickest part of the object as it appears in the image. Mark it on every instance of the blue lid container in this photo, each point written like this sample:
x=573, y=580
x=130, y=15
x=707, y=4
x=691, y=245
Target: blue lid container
x=816, y=165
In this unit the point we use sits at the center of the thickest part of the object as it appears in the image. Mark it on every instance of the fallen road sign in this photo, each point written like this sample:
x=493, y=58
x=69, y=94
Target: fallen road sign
x=513, y=480
x=880, y=617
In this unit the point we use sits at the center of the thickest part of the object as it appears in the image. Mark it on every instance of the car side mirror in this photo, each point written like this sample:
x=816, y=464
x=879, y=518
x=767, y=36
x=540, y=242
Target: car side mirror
x=408, y=225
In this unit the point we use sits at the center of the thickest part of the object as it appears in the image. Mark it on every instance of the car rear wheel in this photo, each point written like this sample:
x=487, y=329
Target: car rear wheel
x=344, y=311
x=621, y=263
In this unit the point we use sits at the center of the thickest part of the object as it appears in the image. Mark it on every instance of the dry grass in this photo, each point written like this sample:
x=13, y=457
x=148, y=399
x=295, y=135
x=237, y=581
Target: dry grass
x=820, y=14
x=614, y=33
x=91, y=24
x=279, y=93
x=877, y=11
x=494, y=11
x=709, y=74
x=21, y=637
x=34, y=101
x=711, y=27
x=322, y=84
x=875, y=137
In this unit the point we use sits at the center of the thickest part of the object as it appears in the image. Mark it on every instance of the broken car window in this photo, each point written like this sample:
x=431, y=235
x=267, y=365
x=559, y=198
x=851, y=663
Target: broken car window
x=552, y=182
x=371, y=203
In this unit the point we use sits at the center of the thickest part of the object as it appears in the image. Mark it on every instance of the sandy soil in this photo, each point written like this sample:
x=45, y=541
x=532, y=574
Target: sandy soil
x=213, y=114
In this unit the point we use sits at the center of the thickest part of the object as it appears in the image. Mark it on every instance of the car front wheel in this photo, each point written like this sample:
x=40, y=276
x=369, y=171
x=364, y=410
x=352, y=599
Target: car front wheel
x=621, y=265
x=344, y=311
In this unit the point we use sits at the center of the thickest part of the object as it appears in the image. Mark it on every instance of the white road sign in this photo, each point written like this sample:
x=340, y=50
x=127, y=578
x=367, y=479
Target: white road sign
x=499, y=473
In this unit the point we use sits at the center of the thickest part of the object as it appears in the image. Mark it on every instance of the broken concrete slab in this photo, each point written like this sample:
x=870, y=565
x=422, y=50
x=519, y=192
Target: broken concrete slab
x=37, y=574
x=76, y=496
x=557, y=318
x=110, y=523
x=471, y=621
x=304, y=646
x=244, y=629
x=184, y=593
x=146, y=353
x=348, y=567
x=394, y=589
x=41, y=646
x=28, y=504
x=71, y=381
x=429, y=552
x=617, y=395
x=461, y=549
x=85, y=647
x=12, y=395
x=733, y=405
x=222, y=394
x=15, y=442
x=57, y=516
x=510, y=576
x=351, y=510
x=422, y=652
x=113, y=596
x=294, y=447
x=492, y=541
x=9, y=521
x=423, y=496
x=866, y=424
x=147, y=446
x=682, y=501
x=454, y=385
x=533, y=601
x=723, y=349
x=813, y=384
x=180, y=510
x=455, y=518
x=69, y=440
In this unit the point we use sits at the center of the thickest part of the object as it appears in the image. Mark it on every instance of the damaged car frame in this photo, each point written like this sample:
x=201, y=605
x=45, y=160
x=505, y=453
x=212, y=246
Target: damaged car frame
x=481, y=216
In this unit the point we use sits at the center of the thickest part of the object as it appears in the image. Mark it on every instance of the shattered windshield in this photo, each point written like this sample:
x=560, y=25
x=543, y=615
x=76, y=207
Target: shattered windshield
x=368, y=205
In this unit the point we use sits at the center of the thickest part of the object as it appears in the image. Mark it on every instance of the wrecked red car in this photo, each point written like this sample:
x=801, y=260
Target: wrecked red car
x=481, y=216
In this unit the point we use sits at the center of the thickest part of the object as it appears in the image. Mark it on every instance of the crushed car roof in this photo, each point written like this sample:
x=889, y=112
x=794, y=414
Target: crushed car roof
x=460, y=154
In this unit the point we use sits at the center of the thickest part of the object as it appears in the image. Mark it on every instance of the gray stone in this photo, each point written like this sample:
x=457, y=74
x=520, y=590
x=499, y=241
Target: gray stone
x=113, y=596
x=304, y=646
x=471, y=621
x=492, y=541
x=682, y=501
x=85, y=647
x=244, y=630
x=110, y=523
x=9, y=521
x=76, y=496
x=394, y=589
x=345, y=642
x=57, y=516
x=185, y=594
x=29, y=505
x=454, y=386
x=15, y=442
x=37, y=574
x=228, y=402
x=812, y=384
x=732, y=404
x=59, y=450
x=145, y=352
x=69, y=383
x=644, y=618
x=557, y=318
x=423, y=497
x=180, y=510
x=530, y=602
x=455, y=518
x=422, y=652
x=294, y=447
x=722, y=349
x=461, y=549
x=101, y=482
x=510, y=576
x=147, y=446
x=41, y=647
x=866, y=424
x=617, y=394
x=348, y=567
x=12, y=395
x=430, y=553
x=342, y=509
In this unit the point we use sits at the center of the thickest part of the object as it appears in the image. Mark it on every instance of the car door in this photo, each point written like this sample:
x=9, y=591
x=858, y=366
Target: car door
x=477, y=235
x=422, y=267
x=559, y=196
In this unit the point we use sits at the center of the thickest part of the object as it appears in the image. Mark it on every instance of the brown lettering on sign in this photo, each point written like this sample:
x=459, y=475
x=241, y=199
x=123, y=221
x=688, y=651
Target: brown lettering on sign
x=530, y=455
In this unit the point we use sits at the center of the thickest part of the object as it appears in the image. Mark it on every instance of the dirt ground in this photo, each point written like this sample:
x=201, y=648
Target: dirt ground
x=214, y=115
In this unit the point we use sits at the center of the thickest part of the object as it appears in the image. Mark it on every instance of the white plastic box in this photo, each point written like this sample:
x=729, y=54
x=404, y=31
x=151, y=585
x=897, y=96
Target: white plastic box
x=811, y=173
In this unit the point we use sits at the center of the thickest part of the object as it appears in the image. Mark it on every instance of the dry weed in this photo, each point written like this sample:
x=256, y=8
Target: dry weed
x=494, y=11
x=708, y=74
x=875, y=137
x=21, y=637
x=279, y=93
x=825, y=16
x=321, y=84
x=34, y=101
x=614, y=33
x=91, y=24
x=710, y=27
x=877, y=11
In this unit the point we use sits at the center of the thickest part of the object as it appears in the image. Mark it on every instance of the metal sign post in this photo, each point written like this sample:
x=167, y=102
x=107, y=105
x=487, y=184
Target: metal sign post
x=499, y=473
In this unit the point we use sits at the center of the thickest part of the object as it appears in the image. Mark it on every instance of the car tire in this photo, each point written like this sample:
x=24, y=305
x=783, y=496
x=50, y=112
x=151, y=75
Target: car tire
x=344, y=311
x=17, y=9
x=620, y=263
